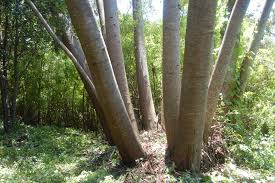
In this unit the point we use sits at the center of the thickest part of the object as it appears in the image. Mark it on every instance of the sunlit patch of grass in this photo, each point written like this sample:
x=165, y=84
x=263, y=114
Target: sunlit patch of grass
x=231, y=172
x=5, y=173
x=49, y=154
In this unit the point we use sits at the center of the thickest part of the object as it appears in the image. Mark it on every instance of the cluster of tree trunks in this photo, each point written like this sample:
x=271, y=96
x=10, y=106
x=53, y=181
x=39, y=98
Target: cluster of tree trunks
x=99, y=61
x=189, y=104
x=199, y=94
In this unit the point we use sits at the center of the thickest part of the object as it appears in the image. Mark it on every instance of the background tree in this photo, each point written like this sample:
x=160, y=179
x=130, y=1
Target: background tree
x=223, y=60
x=144, y=88
x=231, y=74
x=255, y=44
x=4, y=69
x=15, y=64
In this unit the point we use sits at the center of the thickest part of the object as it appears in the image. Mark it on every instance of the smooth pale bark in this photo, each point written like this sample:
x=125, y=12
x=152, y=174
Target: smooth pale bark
x=223, y=60
x=171, y=68
x=254, y=45
x=101, y=14
x=83, y=19
x=72, y=43
x=73, y=50
x=230, y=80
x=146, y=102
x=195, y=79
x=113, y=43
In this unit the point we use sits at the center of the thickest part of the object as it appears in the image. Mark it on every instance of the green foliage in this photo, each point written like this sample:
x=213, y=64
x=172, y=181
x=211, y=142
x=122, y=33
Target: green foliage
x=153, y=44
x=250, y=131
x=54, y=85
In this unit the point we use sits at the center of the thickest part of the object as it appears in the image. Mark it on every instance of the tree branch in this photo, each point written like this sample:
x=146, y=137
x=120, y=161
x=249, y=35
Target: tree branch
x=60, y=43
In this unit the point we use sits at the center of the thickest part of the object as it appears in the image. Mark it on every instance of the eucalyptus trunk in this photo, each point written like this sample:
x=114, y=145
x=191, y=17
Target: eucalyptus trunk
x=101, y=14
x=195, y=79
x=171, y=68
x=223, y=61
x=230, y=78
x=254, y=45
x=228, y=88
x=113, y=43
x=84, y=21
x=144, y=88
x=72, y=43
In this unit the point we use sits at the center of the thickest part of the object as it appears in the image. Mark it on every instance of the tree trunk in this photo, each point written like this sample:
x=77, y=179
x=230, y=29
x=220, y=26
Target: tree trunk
x=197, y=61
x=113, y=43
x=171, y=68
x=15, y=66
x=5, y=103
x=230, y=78
x=223, y=60
x=146, y=102
x=4, y=73
x=228, y=87
x=85, y=24
x=100, y=9
x=74, y=46
x=254, y=45
x=75, y=53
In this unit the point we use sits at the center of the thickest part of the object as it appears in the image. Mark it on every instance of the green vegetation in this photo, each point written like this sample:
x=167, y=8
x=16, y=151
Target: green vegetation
x=56, y=135
x=51, y=154
x=251, y=128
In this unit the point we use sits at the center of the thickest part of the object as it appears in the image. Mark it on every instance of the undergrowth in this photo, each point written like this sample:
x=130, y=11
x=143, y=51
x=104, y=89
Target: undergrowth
x=249, y=130
x=49, y=154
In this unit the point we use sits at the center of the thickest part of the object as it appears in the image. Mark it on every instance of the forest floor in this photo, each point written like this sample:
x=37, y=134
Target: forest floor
x=50, y=154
